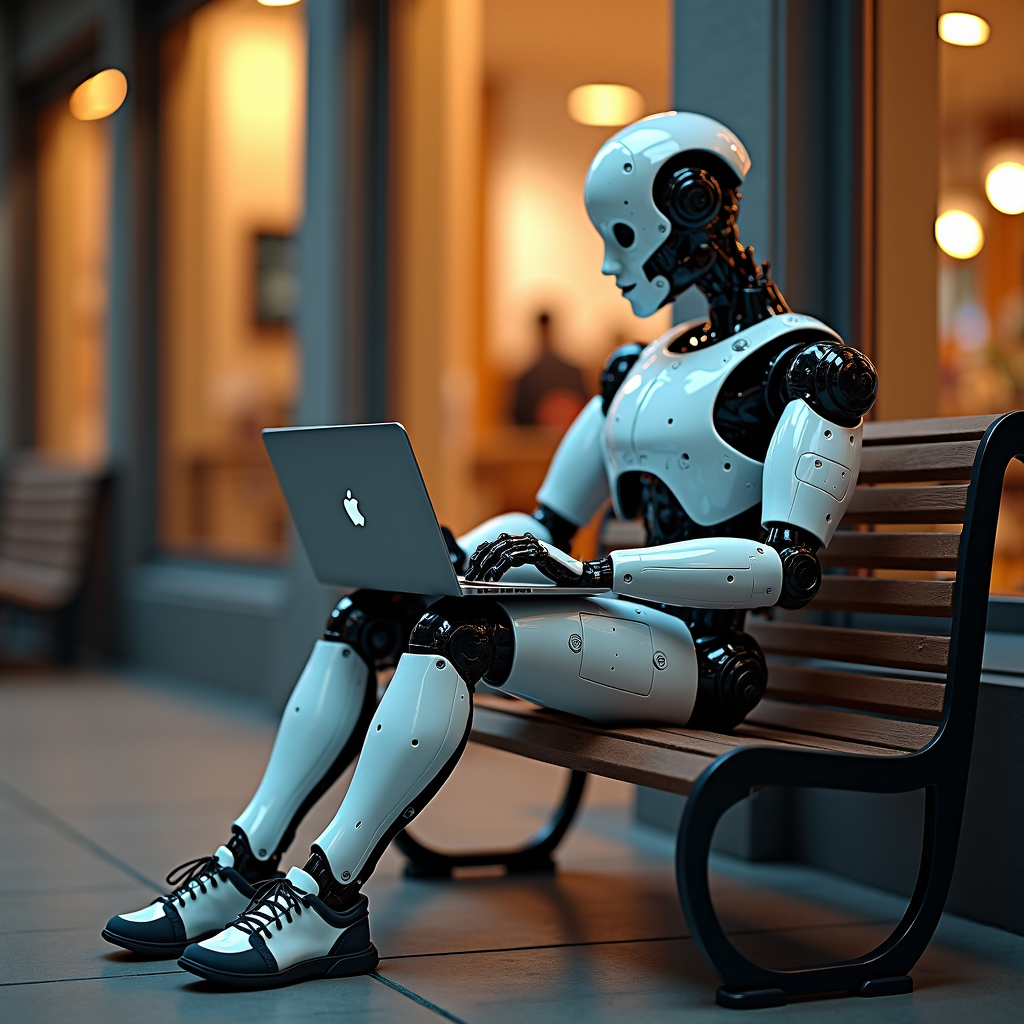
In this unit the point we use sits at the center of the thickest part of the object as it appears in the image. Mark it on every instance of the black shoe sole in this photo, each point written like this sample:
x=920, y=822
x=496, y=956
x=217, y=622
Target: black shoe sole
x=321, y=967
x=156, y=950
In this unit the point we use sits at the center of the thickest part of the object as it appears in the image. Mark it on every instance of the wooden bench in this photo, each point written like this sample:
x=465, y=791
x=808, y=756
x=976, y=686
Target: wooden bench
x=49, y=526
x=889, y=712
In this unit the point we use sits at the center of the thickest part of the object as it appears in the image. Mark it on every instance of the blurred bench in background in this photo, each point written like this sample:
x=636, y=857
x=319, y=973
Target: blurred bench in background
x=50, y=541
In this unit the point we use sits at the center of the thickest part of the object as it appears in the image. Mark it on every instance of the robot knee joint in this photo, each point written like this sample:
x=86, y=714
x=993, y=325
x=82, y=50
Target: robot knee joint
x=475, y=636
x=732, y=677
x=375, y=623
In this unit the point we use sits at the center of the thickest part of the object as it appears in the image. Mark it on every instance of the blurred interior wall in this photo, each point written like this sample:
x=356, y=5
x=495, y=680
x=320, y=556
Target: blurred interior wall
x=73, y=180
x=438, y=54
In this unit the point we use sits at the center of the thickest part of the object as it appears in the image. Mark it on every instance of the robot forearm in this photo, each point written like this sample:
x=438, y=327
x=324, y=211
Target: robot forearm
x=719, y=572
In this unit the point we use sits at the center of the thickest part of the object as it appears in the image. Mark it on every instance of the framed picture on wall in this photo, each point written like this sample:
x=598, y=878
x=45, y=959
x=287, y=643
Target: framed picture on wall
x=277, y=279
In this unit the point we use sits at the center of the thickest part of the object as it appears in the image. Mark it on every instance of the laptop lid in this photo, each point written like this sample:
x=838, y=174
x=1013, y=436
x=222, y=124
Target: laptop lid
x=361, y=507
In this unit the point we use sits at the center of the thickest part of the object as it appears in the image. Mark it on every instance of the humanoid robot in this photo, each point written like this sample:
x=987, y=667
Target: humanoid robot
x=738, y=442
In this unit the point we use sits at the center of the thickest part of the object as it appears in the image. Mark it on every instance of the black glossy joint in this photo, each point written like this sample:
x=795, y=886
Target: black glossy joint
x=560, y=529
x=375, y=623
x=615, y=369
x=801, y=571
x=475, y=636
x=835, y=380
x=731, y=679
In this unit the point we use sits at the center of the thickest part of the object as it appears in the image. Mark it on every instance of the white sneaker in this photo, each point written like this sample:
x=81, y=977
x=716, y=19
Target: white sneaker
x=209, y=894
x=287, y=933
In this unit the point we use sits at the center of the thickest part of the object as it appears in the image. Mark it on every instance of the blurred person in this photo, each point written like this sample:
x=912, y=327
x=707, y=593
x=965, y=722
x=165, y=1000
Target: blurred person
x=551, y=392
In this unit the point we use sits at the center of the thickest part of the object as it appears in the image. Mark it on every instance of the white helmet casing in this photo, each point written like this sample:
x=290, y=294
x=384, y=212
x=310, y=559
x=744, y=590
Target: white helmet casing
x=619, y=190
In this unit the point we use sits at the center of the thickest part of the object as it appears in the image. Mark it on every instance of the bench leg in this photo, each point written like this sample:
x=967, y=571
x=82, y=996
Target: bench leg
x=882, y=971
x=534, y=856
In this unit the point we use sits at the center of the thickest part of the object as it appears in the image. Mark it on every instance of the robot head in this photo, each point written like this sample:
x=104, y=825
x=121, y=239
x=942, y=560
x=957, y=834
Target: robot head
x=660, y=186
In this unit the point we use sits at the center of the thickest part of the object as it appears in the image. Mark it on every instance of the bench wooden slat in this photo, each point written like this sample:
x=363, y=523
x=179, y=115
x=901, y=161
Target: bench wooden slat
x=849, y=549
x=951, y=460
x=600, y=753
x=886, y=695
x=907, y=505
x=840, y=725
x=942, y=428
x=891, y=597
x=921, y=652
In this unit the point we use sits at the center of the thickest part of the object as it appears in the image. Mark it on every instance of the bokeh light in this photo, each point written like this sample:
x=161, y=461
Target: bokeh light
x=99, y=96
x=959, y=234
x=607, y=105
x=963, y=29
x=1004, y=186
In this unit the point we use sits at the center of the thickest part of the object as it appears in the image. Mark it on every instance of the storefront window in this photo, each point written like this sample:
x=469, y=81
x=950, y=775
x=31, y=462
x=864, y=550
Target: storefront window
x=233, y=102
x=980, y=231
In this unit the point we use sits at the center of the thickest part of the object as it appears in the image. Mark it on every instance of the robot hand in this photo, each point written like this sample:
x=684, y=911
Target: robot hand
x=493, y=559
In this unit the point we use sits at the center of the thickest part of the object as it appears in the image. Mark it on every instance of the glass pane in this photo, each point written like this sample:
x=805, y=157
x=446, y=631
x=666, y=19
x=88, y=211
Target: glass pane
x=233, y=111
x=981, y=290
x=72, y=235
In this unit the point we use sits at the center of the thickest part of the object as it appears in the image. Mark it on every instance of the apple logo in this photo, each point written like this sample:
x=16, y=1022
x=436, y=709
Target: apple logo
x=352, y=509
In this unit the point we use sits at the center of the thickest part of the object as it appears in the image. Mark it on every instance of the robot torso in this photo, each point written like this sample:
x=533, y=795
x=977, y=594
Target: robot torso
x=694, y=417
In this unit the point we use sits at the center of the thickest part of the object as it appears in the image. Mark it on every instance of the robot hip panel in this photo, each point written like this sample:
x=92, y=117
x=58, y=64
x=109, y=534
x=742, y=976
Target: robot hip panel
x=603, y=658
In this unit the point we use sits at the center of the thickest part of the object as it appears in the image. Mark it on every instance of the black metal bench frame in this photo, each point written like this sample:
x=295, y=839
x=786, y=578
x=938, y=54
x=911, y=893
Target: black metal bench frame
x=940, y=768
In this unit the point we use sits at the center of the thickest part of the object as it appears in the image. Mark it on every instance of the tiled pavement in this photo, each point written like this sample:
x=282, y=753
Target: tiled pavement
x=106, y=784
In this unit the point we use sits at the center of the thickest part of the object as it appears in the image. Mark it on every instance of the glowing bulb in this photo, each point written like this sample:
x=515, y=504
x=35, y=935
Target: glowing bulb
x=959, y=234
x=963, y=29
x=277, y=3
x=1004, y=186
x=99, y=96
x=605, y=104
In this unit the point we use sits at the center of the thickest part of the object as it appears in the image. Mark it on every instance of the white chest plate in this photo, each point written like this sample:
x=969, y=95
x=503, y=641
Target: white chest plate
x=661, y=421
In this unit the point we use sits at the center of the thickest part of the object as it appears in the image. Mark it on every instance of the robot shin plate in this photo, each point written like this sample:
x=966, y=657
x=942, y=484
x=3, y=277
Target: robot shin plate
x=419, y=728
x=602, y=658
x=320, y=717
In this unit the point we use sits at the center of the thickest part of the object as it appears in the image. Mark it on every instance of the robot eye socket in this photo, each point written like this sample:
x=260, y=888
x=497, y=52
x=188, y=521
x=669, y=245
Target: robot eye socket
x=624, y=235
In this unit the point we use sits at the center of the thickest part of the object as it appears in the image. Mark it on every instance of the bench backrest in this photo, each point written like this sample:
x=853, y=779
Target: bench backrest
x=47, y=519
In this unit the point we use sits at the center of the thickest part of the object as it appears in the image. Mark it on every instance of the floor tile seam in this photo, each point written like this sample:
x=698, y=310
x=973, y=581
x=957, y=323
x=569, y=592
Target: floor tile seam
x=14, y=797
x=416, y=998
x=93, y=977
x=625, y=942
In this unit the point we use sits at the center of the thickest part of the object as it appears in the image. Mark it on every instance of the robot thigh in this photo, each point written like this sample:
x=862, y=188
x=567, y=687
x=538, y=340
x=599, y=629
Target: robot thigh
x=602, y=658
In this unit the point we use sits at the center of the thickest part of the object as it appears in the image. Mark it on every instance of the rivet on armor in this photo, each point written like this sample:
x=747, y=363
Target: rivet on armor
x=346, y=875
x=575, y=642
x=660, y=661
x=439, y=663
x=628, y=578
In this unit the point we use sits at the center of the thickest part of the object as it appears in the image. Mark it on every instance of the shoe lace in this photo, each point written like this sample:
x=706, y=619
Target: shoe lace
x=192, y=875
x=274, y=899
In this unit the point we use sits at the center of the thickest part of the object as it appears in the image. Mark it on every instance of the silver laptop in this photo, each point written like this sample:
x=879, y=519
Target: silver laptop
x=364, y=516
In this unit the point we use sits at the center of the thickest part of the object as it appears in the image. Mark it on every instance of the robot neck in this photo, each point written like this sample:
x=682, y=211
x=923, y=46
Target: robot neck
x=739, y=293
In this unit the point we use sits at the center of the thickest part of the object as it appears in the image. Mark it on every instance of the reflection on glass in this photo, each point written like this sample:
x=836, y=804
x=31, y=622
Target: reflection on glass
x=233, y=118
x=73, y=171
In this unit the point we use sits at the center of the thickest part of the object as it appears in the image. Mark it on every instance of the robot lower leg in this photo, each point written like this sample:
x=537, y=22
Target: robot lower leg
x=414, y=741
x=324, y=722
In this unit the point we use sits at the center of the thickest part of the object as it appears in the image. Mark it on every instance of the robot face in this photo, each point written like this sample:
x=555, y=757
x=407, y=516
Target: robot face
x=621, y=205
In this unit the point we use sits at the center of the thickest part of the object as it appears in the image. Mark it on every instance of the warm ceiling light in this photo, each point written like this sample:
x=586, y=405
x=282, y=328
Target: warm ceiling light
x=277, y=3
x=606, y=105
x=959, y=234
x=99, y=96
x=963, y=29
